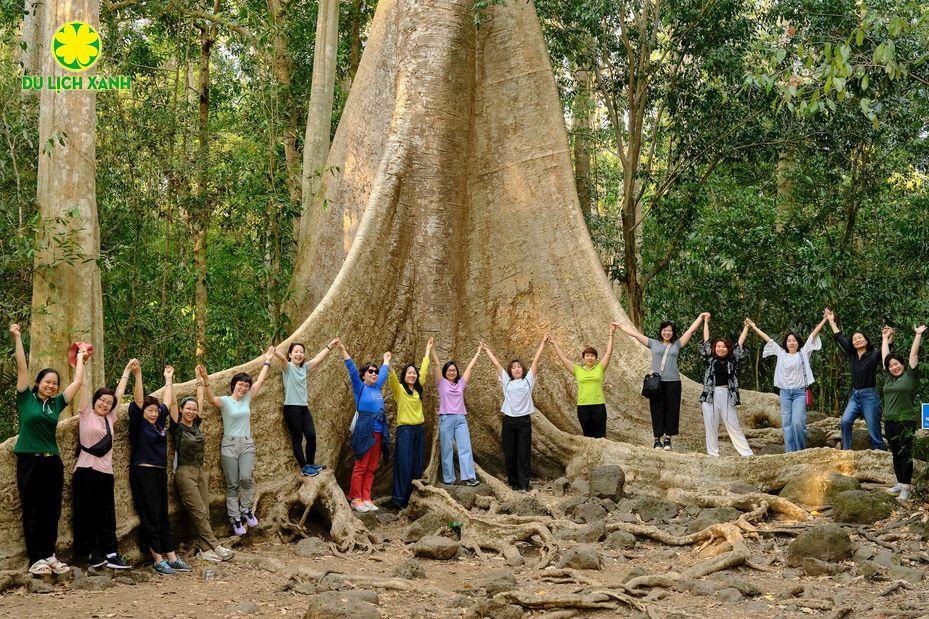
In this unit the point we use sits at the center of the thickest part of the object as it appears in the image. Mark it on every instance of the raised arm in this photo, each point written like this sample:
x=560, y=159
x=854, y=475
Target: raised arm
x=263, y=374
x=466, y=377
x=424, y=366
x=138, y=389
x=689, y=333
x=761, y=334
x=169, y=398
x=385, y=370
x=887, y=336
x=744, y=334
x=22, y=367
x=492, y=358
x=280, y=355
x=609, y=346
x=205, y=377
x=534, y=368
x=914, y=349
x=123, y=382
x=815, y=332
x=78, y=382
x=568, y=365
x=322, y=354
x=631, y=332
x=437, y=363
x=706, y=326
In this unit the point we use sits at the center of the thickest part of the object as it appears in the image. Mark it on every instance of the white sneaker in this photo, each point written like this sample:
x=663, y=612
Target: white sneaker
x=209, y=555
x=904, y=494
x=895, y=489
x=359, y=506
x=224, y=553
x=371, y=506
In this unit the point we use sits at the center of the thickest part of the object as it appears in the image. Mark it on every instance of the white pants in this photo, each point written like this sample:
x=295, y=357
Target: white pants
x=721, y=408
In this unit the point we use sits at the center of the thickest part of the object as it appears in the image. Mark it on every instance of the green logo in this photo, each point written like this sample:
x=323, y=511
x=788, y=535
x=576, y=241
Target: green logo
x=76, y=46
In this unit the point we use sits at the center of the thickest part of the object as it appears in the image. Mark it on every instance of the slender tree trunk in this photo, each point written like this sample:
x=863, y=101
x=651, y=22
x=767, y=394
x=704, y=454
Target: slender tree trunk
x=583, y=114
x=282, y=68
x=785, y=161
x=354, y=46
x=34, y=41
x=67, y=302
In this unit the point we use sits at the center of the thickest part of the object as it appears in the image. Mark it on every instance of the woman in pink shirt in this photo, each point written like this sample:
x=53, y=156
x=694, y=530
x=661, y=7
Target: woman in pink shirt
x=453, y=424
x=93, y=505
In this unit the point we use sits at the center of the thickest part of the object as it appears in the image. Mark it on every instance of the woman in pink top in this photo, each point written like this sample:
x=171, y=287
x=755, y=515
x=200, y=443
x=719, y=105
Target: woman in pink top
x=93, y=505
x=453, y=424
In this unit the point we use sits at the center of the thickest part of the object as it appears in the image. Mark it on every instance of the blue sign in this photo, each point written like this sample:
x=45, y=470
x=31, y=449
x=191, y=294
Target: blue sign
x=925, y=416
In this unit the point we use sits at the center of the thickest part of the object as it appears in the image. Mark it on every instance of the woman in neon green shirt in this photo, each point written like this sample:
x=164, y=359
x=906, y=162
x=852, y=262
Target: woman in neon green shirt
x=591, y=403
x=410, y=441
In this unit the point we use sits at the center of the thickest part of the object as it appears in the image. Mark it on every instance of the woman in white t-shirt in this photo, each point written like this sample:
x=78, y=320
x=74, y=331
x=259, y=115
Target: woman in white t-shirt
x=517, y=407
x=792, y=375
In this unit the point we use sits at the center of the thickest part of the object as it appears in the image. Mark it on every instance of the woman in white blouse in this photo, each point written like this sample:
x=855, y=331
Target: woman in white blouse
x=516, y=433
x=792, y=375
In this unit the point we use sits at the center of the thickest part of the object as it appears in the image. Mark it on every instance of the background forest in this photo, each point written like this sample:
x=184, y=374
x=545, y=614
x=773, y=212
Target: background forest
x=739, y=157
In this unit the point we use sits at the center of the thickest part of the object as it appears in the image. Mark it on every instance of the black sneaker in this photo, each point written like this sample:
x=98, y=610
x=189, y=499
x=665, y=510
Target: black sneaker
x=471, y=482
x=95, y=561
x=117, y=562
x=657, y=444
x=667, y=443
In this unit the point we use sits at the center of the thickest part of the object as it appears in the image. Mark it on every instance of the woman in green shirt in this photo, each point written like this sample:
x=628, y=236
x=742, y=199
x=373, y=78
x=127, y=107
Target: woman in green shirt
x=901, y=417
x=591, y=403
x=39, y=471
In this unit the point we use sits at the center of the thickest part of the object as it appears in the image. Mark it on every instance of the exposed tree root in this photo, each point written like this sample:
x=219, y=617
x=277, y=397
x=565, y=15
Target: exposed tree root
x=303, y=494
x=593, y=600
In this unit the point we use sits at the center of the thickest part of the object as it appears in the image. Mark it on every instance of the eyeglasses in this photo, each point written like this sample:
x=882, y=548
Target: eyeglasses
x=372, y=371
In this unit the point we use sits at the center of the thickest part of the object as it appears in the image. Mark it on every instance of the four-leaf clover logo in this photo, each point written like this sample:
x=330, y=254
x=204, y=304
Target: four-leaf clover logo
x=76, y=46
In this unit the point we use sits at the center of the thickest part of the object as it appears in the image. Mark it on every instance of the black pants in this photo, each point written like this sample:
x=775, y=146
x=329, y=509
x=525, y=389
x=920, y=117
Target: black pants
x=593, y=419
x=40, y=480
x=300, y=425
x=94, y=512
x=900, y=435
x=517, y=446
x=666, y=409
x=149, y=486
x=410, y=457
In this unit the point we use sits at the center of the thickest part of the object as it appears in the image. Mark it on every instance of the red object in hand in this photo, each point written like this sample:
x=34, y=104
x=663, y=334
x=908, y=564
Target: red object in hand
x=809, y=397
x=72, y=352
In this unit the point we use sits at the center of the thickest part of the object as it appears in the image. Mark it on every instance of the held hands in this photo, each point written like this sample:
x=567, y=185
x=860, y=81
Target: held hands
x=335, y=342
x=613, y=326
x=430, y=344
x=169, y=373
x=387, y=357
x=706, y=316
x=887, y=332
x=269, y=354
x=829, y=315
x=201, y=371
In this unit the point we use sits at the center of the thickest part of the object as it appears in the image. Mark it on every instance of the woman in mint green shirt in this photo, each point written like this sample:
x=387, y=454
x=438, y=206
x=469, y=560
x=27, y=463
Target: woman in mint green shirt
x=39, y=470
x=901, y=417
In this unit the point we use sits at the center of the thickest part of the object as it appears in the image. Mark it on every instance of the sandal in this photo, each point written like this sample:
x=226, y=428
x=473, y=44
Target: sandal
x=59, y=567
x=40, y=567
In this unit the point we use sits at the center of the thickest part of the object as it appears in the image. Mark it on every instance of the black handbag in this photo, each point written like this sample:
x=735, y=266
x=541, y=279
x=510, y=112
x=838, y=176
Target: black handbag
x=651, y=384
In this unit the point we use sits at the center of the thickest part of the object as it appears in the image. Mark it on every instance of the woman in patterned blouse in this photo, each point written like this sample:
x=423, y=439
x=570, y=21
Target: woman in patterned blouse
x=721, y=389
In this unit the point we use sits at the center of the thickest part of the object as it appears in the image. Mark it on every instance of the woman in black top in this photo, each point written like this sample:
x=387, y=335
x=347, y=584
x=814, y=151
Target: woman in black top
x=865, y=401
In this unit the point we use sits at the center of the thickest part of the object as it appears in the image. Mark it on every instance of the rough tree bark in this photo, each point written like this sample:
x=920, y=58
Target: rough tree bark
x=455, y=204
x=67, y=303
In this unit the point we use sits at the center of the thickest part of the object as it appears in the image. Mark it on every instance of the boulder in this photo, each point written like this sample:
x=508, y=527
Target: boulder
x=590, y=533
x=410, y=569
x=827, y=543
x=650, y=509
x=743, y=586
x=619, y=540
x=466, y=495
x=862, y=507
x=711, y=516
x=817, y=488
x=582, y=557
x=525, y=505
x=436, y=547
x=244, y=608
x=561, y=486
x=590, y=511
x=606, y=482
x=814, y=567
x=740, y=487
x=580, y=486
x=339, y=605
x=570, y=504
x=816, y=437
x=730, y=595
x=487, y=608
x=312, y=547
x=496, y=581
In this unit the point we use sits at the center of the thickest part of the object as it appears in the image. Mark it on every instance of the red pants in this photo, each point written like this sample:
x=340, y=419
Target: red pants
x=363, y=473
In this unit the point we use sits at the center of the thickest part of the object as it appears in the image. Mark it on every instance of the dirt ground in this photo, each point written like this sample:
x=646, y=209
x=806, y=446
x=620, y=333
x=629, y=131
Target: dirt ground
x=239, y=588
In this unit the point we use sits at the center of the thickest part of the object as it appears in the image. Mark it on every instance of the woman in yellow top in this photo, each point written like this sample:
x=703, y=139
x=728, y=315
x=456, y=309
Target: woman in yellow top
x=410, y=442
x=591, y=403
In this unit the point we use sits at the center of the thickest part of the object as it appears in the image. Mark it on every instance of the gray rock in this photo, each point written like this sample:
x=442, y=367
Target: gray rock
x=606, y=482
x=817, y=488
x=525, y=505
x=410, y=569
x=582, y=557
x=305, y=588
x=770, y=449
x=863, y=552
x=96, y=582
x=561, y=486
x=827, y=543
x=570, y=504
x=814, y=567
x=730, y=595
x=861, y=506
x=650, y=509
x=619, y=540
x=514, y=560
x=870, y=570
x=312, y=547
x=37, y=585
x=459, y=601
x=496, y=581
x=580, y=486
x=339, y=605
x=699, y=587
x=413, y=533
x=590, y=533
x=741, y=585
x=740, y=487
x=910, y=574
x=245, y=608
x=711, y=516
x=369, y=519
x=816, y=437
x=628, y=571
x=123, y=580
x=609, y=505
x=485, y=608
x=384, y=517
x=466, y=495
x=588, y=512
x=884, y=558
x=436, y=547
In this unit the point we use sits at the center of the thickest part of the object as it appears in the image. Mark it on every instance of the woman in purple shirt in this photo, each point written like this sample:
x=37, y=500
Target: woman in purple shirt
x=453, y=424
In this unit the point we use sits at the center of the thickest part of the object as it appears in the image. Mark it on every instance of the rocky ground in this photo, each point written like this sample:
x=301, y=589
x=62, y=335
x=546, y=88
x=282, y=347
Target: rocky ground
x=609, y=555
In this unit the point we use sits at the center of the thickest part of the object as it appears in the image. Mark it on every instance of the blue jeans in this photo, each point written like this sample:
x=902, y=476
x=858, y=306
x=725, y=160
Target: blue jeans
x=864, y=402
x=409, y=456
x=454, y=428
x=793, y=419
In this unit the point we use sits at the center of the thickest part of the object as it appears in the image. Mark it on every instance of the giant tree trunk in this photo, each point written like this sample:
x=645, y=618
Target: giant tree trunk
x=67, y=303
x=454, y=214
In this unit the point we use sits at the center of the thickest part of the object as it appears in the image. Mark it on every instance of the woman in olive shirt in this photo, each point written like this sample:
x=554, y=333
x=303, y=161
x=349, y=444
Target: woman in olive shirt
x=591, y=403
x=39, y=470
x=900, y=411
